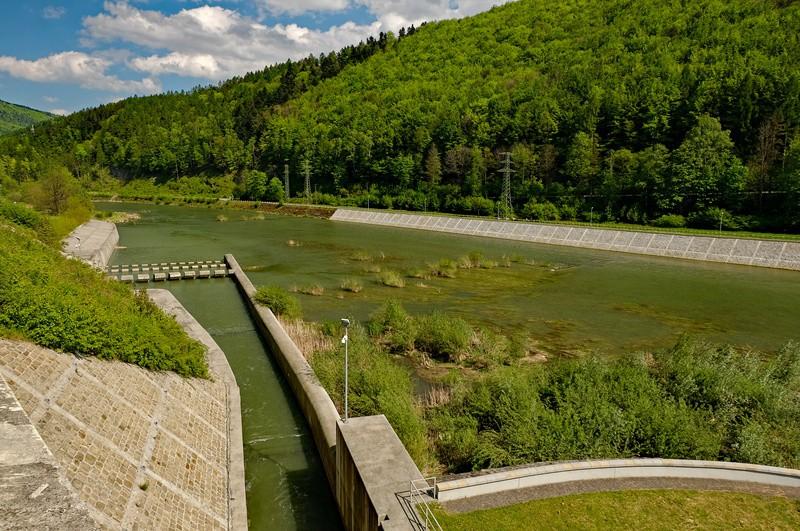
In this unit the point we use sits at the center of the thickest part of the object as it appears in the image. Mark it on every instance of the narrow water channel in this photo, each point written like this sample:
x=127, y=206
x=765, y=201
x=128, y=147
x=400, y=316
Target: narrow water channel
x=286, y=485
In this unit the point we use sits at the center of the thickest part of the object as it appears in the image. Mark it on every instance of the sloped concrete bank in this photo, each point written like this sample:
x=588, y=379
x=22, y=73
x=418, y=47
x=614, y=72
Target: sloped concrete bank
x=572, y=475
x=762, y=253
x=142, y=449
x=93, y=242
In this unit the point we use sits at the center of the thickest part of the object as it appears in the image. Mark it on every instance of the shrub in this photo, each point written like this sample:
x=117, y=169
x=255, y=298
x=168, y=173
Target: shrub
x=713, y=218
x=546, y=211
x=443, y=337
x=279, y=301
x=670, y=221
x=395, y=325
x=393, y=279
x=445, y=268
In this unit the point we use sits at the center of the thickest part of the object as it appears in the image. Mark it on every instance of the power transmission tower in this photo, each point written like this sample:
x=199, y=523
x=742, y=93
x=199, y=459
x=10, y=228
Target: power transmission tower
x=505, y=198
x=286, y=179
x=307, y=173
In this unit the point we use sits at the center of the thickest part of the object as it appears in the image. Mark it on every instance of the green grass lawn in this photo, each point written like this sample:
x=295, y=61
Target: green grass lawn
x=641, y=509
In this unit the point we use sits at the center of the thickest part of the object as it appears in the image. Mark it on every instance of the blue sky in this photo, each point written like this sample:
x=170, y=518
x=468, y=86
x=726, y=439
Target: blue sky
x=62, y=56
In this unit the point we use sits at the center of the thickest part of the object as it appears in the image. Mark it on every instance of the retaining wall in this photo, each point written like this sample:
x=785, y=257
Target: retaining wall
x=764, y=253
x=93, y=242
x=578, y=471
x=317, y=406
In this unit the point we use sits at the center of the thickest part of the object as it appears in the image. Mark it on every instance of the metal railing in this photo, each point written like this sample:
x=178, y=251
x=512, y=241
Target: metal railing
x=423, y=490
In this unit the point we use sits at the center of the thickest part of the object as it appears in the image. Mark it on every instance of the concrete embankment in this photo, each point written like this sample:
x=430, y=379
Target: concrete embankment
x=142, y=449
x=516, y=484
x=763, y=253
x=93, y=242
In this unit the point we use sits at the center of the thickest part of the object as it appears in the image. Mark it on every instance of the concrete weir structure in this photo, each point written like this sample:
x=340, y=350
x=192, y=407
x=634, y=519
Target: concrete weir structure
x=763, y=253
x=93, y=242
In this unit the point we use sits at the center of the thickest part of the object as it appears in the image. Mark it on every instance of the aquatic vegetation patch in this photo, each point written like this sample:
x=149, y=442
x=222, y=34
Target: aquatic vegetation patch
x=390, y=278
x=280, y=301
x=352, y=285
x=315, y=290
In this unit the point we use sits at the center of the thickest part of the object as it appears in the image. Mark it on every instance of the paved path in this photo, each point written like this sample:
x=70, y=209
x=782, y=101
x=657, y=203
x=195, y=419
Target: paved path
x=512, y=497
x=93, y=242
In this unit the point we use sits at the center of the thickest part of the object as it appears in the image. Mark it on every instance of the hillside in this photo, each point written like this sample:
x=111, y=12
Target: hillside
x=13, y=117
x=650, y=111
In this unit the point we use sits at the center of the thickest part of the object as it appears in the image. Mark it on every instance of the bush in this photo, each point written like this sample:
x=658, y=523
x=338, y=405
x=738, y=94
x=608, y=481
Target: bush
x=713, y=218
x=443, y=337
x=395, y=325
x=670, y=221
x=546, y=211
x=279, y=301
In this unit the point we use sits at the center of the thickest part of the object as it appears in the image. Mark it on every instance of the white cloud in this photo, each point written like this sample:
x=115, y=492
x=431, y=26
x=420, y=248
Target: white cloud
x=76, y=68
x=53, y=12
x=59, y=112
x=211, y=41
x=50, y=99
x=296, y=7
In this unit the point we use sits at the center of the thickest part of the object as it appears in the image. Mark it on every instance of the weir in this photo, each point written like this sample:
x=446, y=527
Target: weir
x=168, y=271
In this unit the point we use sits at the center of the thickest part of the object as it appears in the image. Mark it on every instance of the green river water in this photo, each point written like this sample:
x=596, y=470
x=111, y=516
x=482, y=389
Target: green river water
x=570, y=301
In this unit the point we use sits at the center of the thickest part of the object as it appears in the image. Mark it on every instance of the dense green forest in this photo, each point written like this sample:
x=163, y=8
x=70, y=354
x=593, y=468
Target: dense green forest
x=13, y=117
x=663, y=112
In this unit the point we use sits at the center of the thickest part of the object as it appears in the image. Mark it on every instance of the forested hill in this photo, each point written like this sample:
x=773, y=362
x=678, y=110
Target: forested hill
x=631, y=110
x=13, y=117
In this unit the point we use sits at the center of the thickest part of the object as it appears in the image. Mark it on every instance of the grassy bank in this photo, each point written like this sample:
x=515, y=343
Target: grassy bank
x=66, y=305
x=661, y=509
x=464, y=398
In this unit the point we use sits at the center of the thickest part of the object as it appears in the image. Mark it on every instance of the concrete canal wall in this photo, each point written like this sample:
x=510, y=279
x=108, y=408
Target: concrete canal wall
x=142, y=449
x=763, y=253
x=366, y=464
x=314, y=401
x=579, y=472
x=93, y=242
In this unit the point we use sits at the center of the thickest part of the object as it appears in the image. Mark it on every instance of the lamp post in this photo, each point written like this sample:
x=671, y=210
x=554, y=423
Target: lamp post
x=345, y=340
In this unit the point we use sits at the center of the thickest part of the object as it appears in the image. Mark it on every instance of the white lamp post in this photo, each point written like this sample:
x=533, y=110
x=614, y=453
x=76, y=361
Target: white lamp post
x=345, y=340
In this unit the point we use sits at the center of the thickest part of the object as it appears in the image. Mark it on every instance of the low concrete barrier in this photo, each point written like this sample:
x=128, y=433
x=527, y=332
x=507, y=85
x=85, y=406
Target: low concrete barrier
x=763, y=253
x=316, y=404
x=576, y=471
x=372, y=467
x=93, y=242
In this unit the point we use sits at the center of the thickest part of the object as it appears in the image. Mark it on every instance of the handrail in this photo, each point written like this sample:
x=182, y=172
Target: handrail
x=421, y=491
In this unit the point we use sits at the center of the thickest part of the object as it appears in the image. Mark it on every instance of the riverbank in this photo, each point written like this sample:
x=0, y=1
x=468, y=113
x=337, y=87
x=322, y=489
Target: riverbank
x=763, y=253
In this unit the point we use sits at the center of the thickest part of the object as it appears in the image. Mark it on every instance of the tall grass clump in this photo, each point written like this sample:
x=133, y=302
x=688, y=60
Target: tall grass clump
x=66, y=305
x=280, y=301
x=444, y=268
x=390, y=278
x=352, y=285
